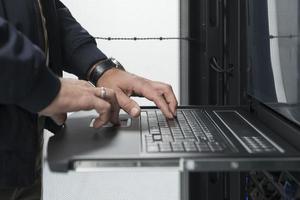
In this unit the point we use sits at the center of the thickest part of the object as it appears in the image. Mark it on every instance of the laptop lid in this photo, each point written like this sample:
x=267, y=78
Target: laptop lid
x=274, y=55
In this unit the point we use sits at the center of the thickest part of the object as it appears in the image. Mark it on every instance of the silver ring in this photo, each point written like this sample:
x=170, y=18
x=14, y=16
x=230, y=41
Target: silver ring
x=102, y=92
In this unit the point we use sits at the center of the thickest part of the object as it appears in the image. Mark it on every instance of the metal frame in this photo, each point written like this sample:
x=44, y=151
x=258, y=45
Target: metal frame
x=184, y=52
x=199, y=82
x=201, y=22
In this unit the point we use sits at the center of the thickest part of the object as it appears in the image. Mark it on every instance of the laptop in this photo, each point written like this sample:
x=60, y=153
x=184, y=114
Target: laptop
x=207, y=137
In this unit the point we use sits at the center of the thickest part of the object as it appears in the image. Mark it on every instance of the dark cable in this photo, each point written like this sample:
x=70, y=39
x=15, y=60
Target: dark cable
x=215, y=66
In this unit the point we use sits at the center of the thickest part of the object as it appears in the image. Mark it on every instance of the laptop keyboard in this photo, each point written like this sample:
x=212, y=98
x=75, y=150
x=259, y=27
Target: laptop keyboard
x=190, y=132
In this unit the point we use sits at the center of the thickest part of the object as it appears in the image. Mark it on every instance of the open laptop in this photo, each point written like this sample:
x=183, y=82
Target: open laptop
x=206, y=133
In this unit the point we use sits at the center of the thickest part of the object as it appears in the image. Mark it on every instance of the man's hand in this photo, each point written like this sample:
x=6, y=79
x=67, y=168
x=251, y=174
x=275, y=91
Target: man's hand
x=76, y=95
x=59, y=119
x=126, y=85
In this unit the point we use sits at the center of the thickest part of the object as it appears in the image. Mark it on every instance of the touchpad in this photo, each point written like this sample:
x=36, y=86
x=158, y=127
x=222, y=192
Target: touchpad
x=125, y=121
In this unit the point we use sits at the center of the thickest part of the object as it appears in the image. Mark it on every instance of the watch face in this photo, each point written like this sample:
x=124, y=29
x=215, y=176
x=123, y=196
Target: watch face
x=118, y=64
x=114, y=61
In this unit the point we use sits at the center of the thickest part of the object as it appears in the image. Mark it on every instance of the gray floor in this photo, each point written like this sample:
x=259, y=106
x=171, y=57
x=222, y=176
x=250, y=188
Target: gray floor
x=158, y=184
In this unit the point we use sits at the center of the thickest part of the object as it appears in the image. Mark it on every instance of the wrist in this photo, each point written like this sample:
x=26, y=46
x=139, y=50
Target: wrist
x=107, y=75
x=88, y=77
x=97, y=71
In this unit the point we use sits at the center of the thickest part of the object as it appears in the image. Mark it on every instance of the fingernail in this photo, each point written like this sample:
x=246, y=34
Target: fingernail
x=175, y=113
x=98, y=125
x=134, y=112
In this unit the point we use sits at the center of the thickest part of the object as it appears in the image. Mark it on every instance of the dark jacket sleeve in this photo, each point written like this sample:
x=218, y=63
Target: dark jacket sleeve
x=24, y=78
x=79, y=47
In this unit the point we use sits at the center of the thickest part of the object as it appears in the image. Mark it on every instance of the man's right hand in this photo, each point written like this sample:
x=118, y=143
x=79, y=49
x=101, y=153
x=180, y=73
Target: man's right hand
x=76, y=95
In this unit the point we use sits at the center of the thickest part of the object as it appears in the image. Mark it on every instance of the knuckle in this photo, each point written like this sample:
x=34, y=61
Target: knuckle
x=158, y=94
x=113, y=93
x=82, y=82
x=94, y=91
x=168, y=86
x=87, y=84
x=118, y=93
x=127, y=105
x=152, y=93
x=85, y=101
x=157, y=99
x=107, y=106
x=87, y=98
x=145, y=85
x=105, y=118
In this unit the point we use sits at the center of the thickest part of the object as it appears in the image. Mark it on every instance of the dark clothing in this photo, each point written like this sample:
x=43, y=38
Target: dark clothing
x=32, y=192
x=27, y=85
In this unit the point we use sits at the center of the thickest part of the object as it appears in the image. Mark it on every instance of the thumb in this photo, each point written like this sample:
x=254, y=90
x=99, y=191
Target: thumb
x=59, y=119
x=127, y=104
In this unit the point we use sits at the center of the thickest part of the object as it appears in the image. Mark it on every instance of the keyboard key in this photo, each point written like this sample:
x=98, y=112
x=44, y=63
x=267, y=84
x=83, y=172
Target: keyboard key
x=179, y=139
x=177, y=146
x=189, y=132
x=270, y=150
x=153, y=148
x=215, y=146
x=165, y=147
x=189, y=138
x=190, y=146
x=157, y=137
x=154, y=129
x=202, y=139
x=203, y=147
x=189, y=143
x=167, y=138
x=165, y=131
x=149, y=138
x=173, y=144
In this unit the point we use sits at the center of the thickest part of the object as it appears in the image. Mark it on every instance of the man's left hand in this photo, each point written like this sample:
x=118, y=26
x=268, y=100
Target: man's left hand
x=126, y=85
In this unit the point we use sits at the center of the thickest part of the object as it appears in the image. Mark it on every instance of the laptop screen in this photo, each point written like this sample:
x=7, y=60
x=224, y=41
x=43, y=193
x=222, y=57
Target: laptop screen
x=274, y=55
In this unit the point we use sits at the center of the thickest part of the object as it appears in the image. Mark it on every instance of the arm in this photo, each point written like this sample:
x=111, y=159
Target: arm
x=81, y=53
x=27, y=82
x=79, y=47
x=24, y=78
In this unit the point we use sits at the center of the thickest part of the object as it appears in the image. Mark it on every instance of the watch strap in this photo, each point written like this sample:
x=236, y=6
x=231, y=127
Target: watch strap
x=99, y=70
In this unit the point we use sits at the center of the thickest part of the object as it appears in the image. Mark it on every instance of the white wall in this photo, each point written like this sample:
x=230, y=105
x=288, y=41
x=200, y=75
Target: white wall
x=285, y=51
x=157, y=60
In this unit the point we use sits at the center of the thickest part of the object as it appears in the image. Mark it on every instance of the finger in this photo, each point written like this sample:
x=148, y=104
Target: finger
x=169, y=96
x=104, y=110
x=79, y=82
x=151, y=93
x=127, y=104
x=161, y=103
x=110, y=96
x=59, y=119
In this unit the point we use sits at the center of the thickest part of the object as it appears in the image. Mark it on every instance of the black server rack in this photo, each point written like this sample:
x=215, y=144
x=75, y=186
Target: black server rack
x=213, y=72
